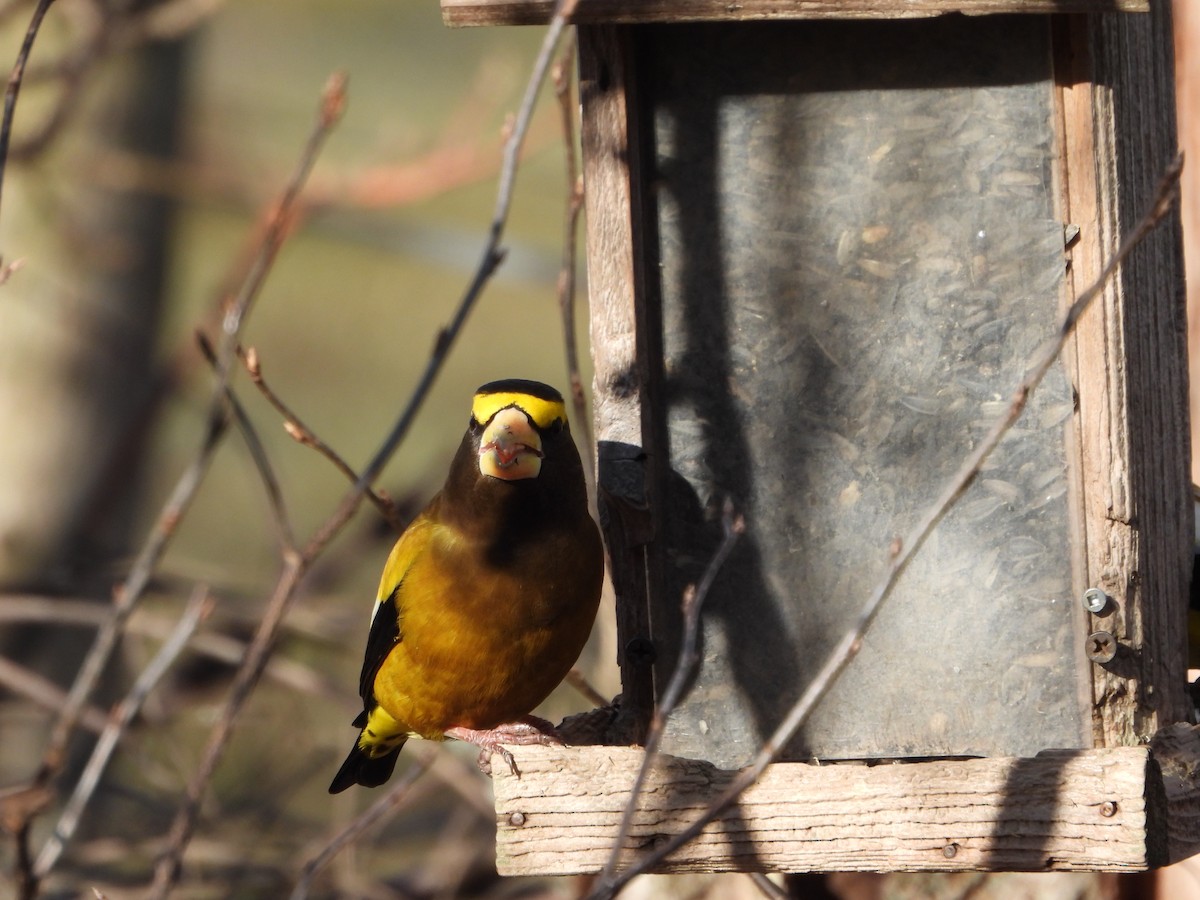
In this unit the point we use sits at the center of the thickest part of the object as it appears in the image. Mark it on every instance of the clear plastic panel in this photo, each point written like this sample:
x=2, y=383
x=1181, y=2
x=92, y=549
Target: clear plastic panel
x=858, y=257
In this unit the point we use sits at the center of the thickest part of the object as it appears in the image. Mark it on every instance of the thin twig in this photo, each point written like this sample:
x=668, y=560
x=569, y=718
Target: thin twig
x=71, y=74
x=127, y=595
x=365, y=820
x=9, y=269
x=220, y=647
x=567, y=271
x=302, y=434
x=579, y=681
x=13, y=89
x=168, y=869
x=333, y=100
x=118, y=28
x=330, y=110
x=767, y=887
x=332, y=104
x=491, y=258
x=848, y=647
x=258, y=453
x=122, y=715
x=27, y=683
x=694, y=596
x=27, y=883
x=166, y=872
x=67, y=71
x=52, y=610
x=446, y=868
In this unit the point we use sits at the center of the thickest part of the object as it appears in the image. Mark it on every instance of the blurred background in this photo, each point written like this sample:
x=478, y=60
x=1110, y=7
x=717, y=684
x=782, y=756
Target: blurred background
x=150, y=138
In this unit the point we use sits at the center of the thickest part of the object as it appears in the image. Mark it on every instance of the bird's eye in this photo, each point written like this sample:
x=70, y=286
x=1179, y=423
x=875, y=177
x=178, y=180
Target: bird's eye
x=556, y=426
x=473, y=426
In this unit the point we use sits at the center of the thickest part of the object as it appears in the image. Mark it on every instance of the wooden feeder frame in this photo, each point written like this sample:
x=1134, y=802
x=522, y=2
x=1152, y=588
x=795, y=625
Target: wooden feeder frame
x=1130, y=803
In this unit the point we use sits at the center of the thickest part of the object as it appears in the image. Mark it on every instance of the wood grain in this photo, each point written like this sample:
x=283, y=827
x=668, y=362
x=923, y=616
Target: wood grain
x=537, y=12
x=1062, y=810
x=620, y=349
x=1118, y=133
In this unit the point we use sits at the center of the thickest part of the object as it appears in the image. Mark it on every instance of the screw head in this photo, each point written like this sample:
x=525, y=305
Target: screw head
x=516, y=819
x=1101, y=647
x=1095, y=600
x=1108, y=809
x=950, y=850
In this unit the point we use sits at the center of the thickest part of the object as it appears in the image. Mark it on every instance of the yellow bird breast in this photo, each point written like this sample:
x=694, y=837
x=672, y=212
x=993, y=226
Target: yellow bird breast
x=483, y=644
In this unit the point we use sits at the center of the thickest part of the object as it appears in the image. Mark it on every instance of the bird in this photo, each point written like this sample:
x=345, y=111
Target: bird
x=488, y=596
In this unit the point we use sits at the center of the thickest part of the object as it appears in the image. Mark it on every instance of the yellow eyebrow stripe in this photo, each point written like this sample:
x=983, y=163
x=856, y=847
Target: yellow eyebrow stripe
x=542, y=412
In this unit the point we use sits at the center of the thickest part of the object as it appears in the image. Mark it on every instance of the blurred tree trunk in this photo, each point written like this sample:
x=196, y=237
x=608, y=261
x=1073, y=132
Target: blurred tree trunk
x=77, y=330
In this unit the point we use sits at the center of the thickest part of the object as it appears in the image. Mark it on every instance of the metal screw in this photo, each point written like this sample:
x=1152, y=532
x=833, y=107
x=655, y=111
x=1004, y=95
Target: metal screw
x=1108, y=809
x=1101, y=647
x=516, y=819
x=1095, y=600
x=950, y=850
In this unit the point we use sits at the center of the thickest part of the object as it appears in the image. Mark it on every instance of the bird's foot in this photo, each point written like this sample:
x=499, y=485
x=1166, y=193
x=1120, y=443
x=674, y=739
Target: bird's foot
x=526, y=730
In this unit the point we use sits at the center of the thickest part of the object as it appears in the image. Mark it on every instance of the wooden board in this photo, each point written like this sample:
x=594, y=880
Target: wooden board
x=1116, y=78
x=537, y=12
x=1093, y=810
x=620, y=348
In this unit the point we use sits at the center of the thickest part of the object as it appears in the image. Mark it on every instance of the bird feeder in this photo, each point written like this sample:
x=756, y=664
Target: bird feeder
x=825, y=239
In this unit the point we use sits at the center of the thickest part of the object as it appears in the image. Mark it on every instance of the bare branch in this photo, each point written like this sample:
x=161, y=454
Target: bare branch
x=493, y=255
x=302, y=434
x=166, y=872
x=127, y=595
x=279, y=221
x=116, y=28
x=578, y=680
x=45, y=693
x=198, y=607
x=13, y=89
x=767, y=887
x=332, y=104
x=19, y=807
x=68, y=71
x=373, y=814
x=66, y=612
x=733, y=526
x=295, y=565
x=279, y=516
x=333, y=101
x=9, y=269
x=566, y=275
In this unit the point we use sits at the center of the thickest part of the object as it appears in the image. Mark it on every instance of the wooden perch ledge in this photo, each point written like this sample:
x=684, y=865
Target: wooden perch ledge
x=1118, y=809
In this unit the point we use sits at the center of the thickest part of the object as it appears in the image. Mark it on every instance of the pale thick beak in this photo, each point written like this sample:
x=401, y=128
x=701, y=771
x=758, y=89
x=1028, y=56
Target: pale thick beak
x=510, y=447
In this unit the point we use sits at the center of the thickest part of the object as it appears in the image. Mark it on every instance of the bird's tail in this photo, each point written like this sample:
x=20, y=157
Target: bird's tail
x=361, y=768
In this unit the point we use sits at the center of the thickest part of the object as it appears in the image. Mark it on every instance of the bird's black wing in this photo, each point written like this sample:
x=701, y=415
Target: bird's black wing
x=384, y=634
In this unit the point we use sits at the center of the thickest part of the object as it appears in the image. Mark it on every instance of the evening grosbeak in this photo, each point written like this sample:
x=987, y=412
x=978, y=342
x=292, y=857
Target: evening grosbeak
x=488, y=596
